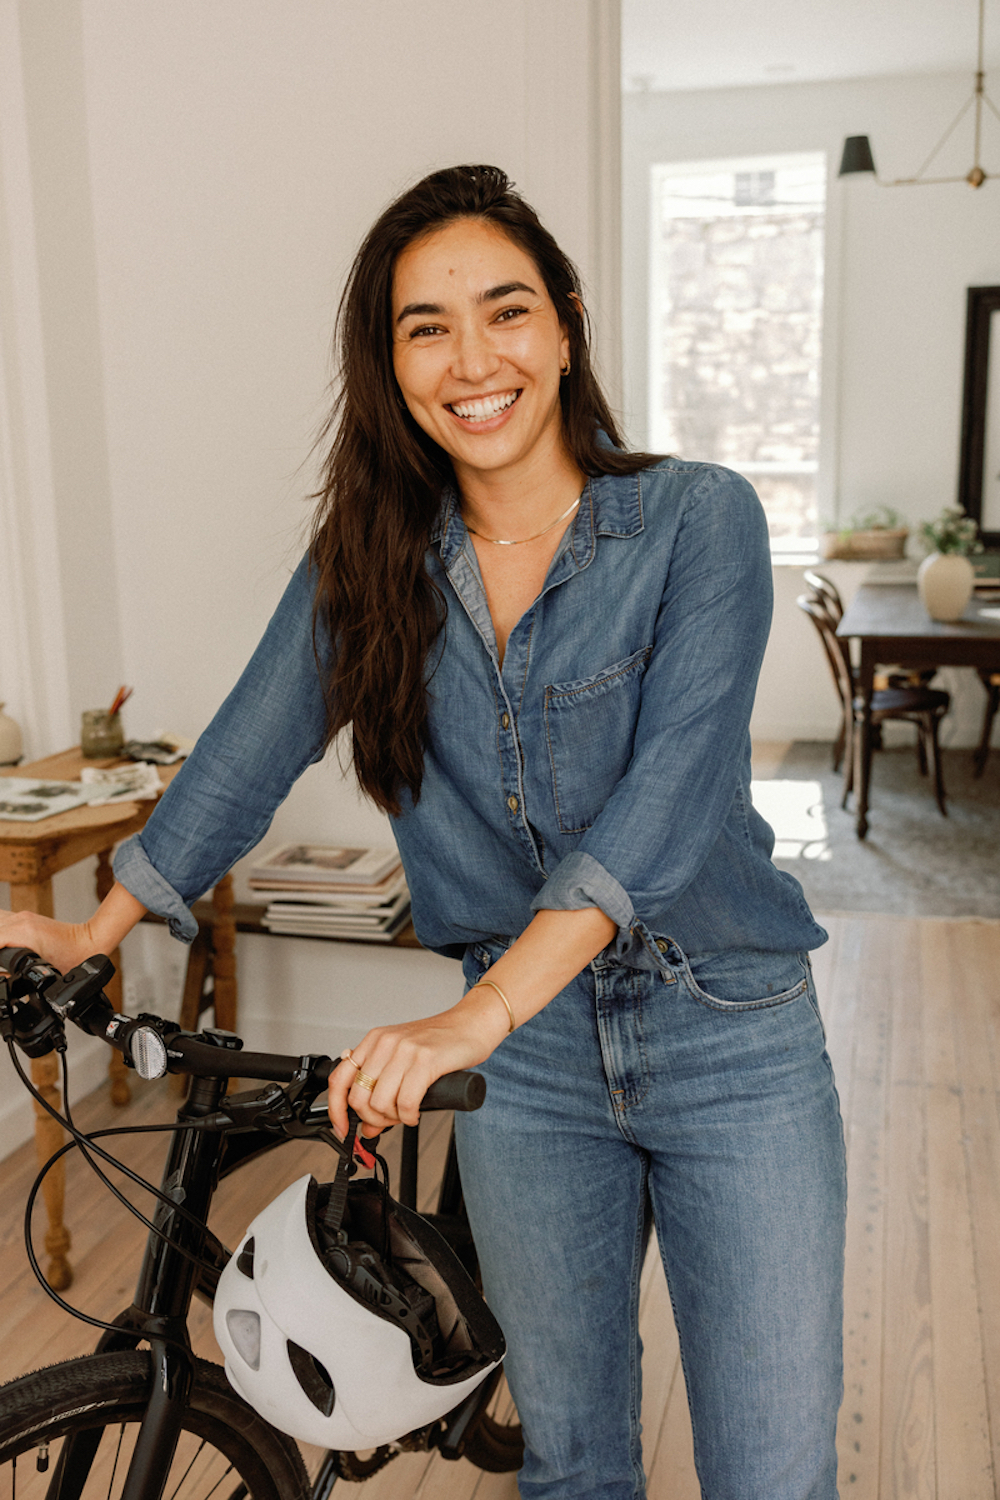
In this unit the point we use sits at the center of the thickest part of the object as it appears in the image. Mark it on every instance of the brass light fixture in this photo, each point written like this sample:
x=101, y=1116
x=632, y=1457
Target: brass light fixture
x=858, y=157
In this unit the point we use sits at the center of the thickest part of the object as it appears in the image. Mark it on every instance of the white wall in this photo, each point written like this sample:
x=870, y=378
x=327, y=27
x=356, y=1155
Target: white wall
x=898, y=263
x=182, y=188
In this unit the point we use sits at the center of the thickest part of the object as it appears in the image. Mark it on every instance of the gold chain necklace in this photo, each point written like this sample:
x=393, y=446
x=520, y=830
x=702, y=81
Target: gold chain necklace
x=520, y=541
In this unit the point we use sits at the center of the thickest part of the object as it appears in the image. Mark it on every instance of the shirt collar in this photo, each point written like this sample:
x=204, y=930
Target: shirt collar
x=611, y=506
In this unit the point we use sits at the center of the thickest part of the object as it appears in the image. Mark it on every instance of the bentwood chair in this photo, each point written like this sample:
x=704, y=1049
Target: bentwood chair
x=825, y=589
x=826, y=594
x=922, y=706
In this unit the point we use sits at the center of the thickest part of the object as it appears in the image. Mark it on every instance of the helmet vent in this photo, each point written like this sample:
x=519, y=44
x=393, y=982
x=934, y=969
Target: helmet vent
x=244, y=1330
x=244, y=1261
x=313, y=1377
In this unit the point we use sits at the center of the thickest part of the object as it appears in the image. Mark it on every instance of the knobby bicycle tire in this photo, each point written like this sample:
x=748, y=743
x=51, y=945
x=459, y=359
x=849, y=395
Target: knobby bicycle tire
x=358, y=1467
x=225, y=1449
x=496, y=1443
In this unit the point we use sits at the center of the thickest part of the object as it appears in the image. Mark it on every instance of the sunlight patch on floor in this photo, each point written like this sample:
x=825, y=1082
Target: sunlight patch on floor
x=795, y=811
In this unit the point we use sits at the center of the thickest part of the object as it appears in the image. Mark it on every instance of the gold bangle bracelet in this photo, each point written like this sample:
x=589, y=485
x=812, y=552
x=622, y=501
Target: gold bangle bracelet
x=503, y=997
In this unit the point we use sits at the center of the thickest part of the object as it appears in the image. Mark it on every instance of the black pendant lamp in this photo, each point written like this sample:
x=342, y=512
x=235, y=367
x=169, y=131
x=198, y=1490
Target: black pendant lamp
x=857, y=155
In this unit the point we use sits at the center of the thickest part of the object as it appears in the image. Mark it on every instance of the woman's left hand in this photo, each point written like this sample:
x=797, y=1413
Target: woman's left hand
x=401, y=1062
x=405, y=1060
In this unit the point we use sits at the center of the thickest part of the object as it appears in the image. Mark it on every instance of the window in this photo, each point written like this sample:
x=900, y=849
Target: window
x=736, y=311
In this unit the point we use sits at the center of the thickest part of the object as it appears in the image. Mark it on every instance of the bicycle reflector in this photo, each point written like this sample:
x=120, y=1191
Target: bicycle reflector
x=352, y=1336
x=148, y=1052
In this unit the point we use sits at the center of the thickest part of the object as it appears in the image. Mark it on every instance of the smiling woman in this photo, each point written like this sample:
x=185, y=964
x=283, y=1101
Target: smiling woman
x=547, y=650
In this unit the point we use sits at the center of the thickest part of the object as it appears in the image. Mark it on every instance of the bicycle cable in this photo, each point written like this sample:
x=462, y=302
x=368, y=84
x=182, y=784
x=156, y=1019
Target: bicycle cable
x=81, y=1140
x=85, y=1142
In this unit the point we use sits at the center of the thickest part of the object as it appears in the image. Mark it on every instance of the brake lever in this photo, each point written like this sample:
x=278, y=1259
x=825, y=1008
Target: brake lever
x=38, y=1000
x=29, y=1021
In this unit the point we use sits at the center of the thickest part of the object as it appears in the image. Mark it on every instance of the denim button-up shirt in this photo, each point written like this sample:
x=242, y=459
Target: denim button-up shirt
x=605, y=763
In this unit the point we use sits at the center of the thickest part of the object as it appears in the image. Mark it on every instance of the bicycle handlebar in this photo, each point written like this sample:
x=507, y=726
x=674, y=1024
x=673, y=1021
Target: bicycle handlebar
x=35, y=1013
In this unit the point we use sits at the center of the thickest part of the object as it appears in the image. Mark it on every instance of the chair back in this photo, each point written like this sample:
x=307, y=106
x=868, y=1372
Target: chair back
x=837, y=651
x=827, y=591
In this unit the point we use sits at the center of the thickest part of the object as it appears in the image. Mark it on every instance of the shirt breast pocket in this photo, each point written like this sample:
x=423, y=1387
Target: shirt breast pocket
x=590, y=728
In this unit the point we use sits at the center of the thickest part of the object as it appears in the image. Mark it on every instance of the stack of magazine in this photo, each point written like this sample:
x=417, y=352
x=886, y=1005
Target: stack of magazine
x=326, y=890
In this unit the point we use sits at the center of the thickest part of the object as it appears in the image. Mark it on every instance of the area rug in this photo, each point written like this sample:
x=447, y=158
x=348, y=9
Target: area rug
x=913, y=861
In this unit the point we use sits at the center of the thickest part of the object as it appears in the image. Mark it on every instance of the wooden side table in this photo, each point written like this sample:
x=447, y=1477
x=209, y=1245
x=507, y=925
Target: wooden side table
x=30, y=855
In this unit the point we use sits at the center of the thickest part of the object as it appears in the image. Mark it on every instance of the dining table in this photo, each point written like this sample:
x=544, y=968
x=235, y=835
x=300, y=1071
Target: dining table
x=890, y=624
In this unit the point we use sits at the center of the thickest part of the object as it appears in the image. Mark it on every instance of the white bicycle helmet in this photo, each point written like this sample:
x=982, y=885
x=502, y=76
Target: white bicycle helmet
x=354, y=1338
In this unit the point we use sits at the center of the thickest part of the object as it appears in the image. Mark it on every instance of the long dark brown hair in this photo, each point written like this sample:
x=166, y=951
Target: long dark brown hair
x=383, y=478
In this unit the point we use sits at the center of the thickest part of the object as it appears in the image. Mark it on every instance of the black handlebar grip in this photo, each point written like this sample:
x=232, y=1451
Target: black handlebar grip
x=462, y=1091
x=13, y=960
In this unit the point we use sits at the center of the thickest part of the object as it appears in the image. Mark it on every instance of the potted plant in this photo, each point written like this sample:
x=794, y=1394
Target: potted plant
x=945, y=578
x=879, y=535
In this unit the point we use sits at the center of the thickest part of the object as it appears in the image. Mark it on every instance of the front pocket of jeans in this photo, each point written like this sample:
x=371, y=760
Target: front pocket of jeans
x=590, y=729
x=766, y=1002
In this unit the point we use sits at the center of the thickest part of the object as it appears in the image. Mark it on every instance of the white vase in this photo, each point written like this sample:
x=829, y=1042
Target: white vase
x=944, y=582
x=11, y=744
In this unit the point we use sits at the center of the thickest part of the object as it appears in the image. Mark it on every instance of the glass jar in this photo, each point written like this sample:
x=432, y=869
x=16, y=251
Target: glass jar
x=101, y=735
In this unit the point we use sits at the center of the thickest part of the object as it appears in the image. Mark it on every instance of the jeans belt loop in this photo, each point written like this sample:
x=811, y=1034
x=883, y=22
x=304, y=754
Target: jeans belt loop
x=672, y=956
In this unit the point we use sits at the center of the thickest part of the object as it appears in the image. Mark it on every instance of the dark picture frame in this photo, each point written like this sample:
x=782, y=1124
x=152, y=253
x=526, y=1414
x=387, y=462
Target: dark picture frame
x=980, y=406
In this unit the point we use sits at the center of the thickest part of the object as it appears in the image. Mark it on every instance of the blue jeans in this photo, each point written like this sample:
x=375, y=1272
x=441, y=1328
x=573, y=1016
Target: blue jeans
x=710, y=1097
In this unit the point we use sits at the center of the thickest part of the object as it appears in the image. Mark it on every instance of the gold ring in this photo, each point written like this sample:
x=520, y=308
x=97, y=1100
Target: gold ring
x=346, y=1056
x=363, y=1081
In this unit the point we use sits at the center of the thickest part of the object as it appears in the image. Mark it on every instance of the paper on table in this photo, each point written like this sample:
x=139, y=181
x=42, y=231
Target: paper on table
x=138, y=782
x=25, y=799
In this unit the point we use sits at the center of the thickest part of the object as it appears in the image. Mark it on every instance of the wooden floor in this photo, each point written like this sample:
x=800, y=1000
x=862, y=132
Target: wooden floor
x=911, y=1009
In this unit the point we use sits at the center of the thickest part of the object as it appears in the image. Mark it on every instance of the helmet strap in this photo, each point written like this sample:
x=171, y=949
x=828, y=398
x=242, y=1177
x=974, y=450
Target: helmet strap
x=334, y=1213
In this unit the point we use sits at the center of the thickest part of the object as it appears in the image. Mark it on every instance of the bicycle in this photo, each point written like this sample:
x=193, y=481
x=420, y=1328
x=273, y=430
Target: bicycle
x=127, y=1421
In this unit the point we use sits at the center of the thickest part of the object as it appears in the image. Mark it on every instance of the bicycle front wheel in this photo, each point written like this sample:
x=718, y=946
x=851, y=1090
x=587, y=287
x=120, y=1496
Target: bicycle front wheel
x=67, y=1433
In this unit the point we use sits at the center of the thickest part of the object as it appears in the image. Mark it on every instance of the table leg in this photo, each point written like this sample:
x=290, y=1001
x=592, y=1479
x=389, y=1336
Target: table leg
x=121, y=1093
x=224, y=948
x=863, y=755
x=49, y=1134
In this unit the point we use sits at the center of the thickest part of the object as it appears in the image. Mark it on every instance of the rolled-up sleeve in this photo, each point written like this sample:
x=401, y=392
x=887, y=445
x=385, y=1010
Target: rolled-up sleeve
x=666, y=813
x=220, y=805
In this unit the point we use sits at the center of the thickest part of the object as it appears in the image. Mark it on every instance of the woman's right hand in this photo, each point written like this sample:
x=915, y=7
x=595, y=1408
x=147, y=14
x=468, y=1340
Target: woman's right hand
x=61, y=944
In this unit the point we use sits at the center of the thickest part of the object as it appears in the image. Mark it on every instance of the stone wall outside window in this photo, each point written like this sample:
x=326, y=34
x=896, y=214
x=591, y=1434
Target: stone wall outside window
x=738, y=346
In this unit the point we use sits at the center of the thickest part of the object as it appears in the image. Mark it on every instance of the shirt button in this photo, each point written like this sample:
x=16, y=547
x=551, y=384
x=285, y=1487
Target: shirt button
x=505, y=720
x=512, y=803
